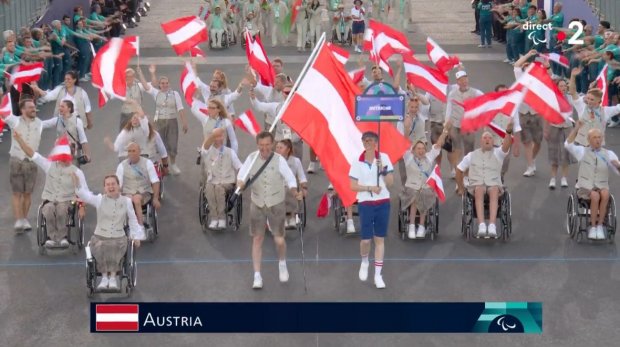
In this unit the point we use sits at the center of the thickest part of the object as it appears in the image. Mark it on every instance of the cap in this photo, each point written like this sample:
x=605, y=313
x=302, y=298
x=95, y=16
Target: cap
x=370, y=134
x=460, y=74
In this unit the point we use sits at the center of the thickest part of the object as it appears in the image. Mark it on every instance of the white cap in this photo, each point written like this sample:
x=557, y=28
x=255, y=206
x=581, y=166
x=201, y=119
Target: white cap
x=460, y=74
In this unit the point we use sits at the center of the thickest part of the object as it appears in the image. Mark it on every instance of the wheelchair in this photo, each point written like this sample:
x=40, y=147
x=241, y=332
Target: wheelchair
x=151, y=227
x=75, y=229
x=225, y=42
x=301, y=213
x=348, y=40
x=159, y=169
x=578, y=218
x=431, y=222
x=340, y=215
x=128, y=273
x=504, y=216
x=233, y=217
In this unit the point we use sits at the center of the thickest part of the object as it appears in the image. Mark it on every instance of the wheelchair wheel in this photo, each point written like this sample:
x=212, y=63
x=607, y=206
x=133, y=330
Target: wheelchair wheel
x=611, y=219
x=131, y=268
x=203, y=210
x=91, y=277
x=506, y=217
x=41, y=231
x=225, y=43
x=436, y=216
x=80, y=239
x=304, y=214
x=467, y=218
x=349, y=39
x=337, y=206
x=572, y=216
x=151, y=217
x=238, y=213
x=161, y=184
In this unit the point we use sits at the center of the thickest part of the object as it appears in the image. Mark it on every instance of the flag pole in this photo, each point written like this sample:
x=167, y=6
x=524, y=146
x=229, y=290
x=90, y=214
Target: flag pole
x=287, y=101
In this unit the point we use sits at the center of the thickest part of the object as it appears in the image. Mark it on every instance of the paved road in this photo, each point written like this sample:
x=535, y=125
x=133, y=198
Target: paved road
x=43, y=301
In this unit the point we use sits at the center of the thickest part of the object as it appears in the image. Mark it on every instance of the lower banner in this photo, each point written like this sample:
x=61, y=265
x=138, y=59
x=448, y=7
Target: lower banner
x=306, y=317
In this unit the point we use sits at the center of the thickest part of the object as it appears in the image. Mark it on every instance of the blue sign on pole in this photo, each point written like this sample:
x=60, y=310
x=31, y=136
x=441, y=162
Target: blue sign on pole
x=380, y=108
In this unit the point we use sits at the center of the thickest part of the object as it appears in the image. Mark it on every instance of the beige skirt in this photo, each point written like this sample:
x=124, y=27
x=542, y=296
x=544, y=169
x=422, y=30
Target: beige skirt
x=108, y=252
x=423, y=198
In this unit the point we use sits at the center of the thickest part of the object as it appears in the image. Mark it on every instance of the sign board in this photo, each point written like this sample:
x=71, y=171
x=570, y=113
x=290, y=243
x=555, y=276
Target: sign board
x=380, y=108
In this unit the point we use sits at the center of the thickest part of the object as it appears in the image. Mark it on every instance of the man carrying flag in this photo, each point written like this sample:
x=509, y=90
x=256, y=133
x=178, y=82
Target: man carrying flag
x=418, y=195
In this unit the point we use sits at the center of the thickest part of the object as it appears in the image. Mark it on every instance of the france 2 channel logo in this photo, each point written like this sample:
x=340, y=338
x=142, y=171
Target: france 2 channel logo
x=573, y=40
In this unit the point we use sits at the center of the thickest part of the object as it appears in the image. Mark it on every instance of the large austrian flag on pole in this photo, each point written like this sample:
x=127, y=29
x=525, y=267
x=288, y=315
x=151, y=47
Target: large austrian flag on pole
x=185, y=33
x=113, y=317
x=322, y=112
x=108, y=67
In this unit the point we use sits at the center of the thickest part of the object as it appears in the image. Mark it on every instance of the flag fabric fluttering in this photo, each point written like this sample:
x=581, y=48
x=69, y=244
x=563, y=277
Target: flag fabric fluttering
x=325, y=205
x=257, y=58
x=25, y=73
x=480, y=111
x=61, y=150
x=108, y=67
x=247, y=122
x=435, y=182
x=601, y=83
x=439, y=57
x=188, y=83
x=185, y=33
x=426, y=78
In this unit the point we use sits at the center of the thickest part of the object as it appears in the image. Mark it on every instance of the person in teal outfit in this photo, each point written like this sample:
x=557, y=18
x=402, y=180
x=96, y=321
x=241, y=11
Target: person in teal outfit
x=486, y=23
x=531, y=18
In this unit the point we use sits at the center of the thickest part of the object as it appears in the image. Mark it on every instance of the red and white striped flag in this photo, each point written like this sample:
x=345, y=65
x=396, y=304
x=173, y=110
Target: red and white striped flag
x=117, y=317
x=257, y=58
x=197, y=52
x=325, y=205
x=188, y=83
x=557, y=58
x=439, y=57
x=322, y=110
x=497, y=129
x=426, y=78
x=204, y=13
x=601, y=83
x=108, y=67
x=247, y=122
x=61, y=150
x=357, y=75
x=6, y=107
x=185, y=33
x=25, y=73
x=435, y=182
x=480, y=111
x=382, y=42
x=542, y=94
x=341, y=54
x=134, y=41
x=103, y=98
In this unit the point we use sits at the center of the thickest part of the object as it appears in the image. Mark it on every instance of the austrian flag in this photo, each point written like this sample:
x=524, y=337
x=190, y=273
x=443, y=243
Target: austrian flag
x=6, y=108
x=188, y=83
x=435, y=182
x=112, y=317
x=185, y=33
x=439, y=57
x=247, y=122
x=25, y=73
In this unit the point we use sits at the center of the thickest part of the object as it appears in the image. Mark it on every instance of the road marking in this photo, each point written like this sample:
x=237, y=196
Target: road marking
x=296, y=59
x=329, y=260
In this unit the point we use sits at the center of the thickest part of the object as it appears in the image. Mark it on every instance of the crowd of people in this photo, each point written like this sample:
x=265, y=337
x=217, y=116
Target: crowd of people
x=147, y=149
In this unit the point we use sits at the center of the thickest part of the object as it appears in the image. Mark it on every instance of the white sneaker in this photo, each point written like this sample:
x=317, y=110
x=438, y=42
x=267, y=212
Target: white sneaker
x=350, y=226
x=26, y=225
x=258, y=281
x=283, y=272
x=358, y=50
x=466, y=181
x=19, y=225
x=311, y=167
x=213, y=224
x=453, y=174
x=113, y=284
x=379, y=282
x=492, y=230
x=174, y=169
x=64, y=243
x=411, y=232
x=530, y=171
x=600, y=232
x=482, y=230
x=613, y=124
x=481, y=46
x=50, y=243
x=292, y=222
x=364, y=271
x=593, y=233
x=506, y=60
x=552, y=183
x=105, y=280
x=563, y=182
x=421, y=232
x=221, y=224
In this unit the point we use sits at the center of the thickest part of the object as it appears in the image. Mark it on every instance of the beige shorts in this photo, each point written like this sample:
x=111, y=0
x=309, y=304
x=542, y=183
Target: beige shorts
x=472, y=189
x=169, y=131
x=462, y=141
x=531, y=128
x=584, y=193
x=22, y=175
x=146, y=197
x=260, y=215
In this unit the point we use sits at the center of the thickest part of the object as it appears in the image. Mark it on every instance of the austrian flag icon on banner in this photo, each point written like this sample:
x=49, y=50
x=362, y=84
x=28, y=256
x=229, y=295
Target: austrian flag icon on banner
x=123, y=317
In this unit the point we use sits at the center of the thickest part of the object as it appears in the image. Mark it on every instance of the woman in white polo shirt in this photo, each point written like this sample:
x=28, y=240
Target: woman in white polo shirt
x=373, y=201
x=357, y=27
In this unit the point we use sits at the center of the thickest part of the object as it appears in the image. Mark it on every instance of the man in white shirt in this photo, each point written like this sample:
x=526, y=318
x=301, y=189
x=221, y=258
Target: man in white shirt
x=370, y=177
x=593, y=182
x=485, y=166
